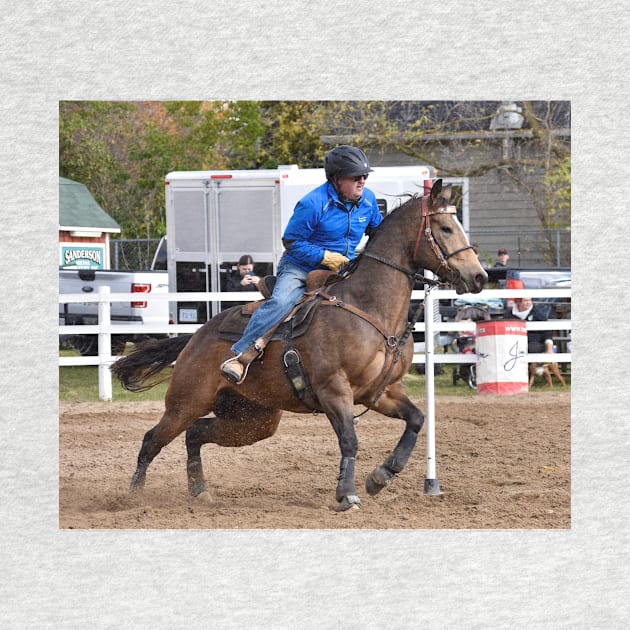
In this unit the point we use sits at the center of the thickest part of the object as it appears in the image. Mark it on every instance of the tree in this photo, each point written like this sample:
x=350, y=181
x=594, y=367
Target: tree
x=122, y=150
x=530, y=143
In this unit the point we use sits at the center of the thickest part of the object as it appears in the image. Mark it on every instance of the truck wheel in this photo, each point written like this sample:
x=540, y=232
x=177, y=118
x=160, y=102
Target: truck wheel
x=87, y=345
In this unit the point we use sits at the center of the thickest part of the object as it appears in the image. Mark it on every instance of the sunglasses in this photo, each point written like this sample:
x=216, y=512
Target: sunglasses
x=358, y=178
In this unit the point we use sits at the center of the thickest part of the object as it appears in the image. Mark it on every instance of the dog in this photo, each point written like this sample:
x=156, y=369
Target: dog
x=546, y=369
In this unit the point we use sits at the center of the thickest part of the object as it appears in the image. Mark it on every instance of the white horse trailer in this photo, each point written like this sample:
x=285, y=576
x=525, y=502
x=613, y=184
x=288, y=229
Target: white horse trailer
x=214, y=217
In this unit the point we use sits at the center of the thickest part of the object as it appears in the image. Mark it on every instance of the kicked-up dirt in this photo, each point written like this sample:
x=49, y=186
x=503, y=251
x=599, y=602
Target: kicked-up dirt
x=502, y=462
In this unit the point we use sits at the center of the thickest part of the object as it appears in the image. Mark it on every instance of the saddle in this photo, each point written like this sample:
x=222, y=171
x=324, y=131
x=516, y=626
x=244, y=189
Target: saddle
x=294, y=325
x=232, y=327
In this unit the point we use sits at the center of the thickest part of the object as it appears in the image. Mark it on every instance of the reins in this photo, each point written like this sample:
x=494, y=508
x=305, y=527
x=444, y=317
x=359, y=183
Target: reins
x=425, y=230
x=394, y=343
x=414, y=275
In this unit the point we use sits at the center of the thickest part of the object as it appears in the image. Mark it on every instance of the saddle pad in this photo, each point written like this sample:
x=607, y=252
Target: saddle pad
x=233, y=325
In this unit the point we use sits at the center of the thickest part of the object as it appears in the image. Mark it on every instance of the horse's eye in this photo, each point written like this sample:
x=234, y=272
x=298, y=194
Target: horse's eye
x=445, y=229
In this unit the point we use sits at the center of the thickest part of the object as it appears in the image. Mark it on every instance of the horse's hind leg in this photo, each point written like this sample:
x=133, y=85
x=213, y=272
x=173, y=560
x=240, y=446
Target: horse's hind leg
x=238, y=422
x=165, y=431
x=395, y=404
x=183, y=407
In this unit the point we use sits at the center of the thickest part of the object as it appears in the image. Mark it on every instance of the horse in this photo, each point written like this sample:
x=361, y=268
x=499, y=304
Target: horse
x=355, y=352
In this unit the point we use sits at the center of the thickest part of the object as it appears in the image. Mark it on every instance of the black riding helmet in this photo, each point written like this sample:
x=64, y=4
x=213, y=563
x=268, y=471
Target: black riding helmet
x=346, y=161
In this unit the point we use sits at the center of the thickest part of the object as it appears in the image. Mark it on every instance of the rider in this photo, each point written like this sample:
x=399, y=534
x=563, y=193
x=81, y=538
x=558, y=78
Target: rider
x=326, y=226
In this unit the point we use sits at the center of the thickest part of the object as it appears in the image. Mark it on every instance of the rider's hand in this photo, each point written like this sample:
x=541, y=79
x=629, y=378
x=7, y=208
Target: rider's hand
x=334, y=261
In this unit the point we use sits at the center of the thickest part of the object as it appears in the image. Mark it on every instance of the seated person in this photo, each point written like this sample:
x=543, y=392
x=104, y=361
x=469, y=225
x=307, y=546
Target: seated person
x=526, y=310
x=537, y=340
x=242, y=278
x=502, y=258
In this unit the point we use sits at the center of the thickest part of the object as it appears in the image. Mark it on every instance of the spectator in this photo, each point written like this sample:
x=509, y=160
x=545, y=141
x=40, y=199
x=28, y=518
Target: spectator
x=243, y=278
x=537, y=340
x=323, y=233
x=502, y=258
x=525, y=310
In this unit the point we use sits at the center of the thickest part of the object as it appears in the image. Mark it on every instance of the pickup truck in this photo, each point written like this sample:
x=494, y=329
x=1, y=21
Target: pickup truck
x=88, y=281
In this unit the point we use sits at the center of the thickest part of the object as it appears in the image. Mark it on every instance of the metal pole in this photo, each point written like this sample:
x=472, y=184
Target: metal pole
x=558, y=248
x=431, y=484
x=104, y=345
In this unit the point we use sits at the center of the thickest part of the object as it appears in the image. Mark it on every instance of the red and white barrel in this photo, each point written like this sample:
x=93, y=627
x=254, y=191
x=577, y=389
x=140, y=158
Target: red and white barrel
x=501, y=348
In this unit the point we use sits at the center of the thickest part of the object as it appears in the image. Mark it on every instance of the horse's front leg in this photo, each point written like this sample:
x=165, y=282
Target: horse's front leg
x=346, y=493
x=341, y=418
x=395, y=404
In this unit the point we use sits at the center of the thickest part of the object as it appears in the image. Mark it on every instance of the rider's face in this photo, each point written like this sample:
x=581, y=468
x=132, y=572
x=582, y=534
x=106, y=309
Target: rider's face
x=351, y=188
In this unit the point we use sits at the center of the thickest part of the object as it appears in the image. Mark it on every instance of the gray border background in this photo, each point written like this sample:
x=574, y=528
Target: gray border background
x=400, y=49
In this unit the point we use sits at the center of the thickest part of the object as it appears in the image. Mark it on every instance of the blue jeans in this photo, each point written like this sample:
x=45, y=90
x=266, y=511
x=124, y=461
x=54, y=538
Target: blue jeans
x=290, y=287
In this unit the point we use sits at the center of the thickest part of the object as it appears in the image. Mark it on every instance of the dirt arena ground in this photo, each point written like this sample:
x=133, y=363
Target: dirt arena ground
x=502, y=463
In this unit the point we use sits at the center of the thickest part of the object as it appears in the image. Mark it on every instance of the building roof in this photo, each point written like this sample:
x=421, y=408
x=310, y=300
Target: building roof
x=78, y=209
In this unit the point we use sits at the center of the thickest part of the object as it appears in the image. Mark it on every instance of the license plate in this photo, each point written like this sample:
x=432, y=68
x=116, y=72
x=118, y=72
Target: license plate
x=188, y=315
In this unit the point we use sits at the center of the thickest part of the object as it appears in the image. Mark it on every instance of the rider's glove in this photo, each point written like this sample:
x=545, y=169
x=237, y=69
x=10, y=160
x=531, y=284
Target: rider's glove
x=334, y=261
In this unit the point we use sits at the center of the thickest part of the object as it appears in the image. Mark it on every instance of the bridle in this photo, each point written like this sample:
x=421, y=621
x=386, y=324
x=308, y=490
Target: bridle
x=440, y=254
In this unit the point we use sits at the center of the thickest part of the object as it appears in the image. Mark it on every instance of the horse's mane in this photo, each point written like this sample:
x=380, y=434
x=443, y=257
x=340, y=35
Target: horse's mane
x=389, y=217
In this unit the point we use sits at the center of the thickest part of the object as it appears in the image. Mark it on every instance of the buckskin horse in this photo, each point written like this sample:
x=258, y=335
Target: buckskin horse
x=355, y=351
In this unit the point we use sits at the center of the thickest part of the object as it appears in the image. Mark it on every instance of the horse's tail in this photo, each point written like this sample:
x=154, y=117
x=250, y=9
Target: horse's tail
x=150, y=358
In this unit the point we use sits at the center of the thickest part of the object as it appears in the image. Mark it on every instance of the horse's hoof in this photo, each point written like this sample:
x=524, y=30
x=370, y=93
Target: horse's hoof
x=204, y=497
x=196, y=488
x=137, y=483
x=378, y=479
x=348, y=502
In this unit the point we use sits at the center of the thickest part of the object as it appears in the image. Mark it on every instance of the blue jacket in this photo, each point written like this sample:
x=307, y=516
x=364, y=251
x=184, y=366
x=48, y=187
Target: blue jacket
x=320, y=222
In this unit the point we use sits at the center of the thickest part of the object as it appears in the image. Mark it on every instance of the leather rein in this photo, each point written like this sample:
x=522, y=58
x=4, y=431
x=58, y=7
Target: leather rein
x=393, y=342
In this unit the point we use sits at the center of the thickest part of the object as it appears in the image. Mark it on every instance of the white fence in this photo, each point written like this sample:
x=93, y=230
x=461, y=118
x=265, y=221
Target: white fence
x=105, y=328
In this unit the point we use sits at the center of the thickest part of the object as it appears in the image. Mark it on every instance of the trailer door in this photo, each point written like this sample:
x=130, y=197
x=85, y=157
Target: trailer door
x=246, y=223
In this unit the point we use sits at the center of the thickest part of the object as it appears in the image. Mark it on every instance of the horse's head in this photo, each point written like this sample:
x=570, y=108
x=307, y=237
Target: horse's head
x=442, y=245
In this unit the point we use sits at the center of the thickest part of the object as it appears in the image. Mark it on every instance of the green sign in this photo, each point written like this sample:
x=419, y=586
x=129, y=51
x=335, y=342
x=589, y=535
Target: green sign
x=81, y=257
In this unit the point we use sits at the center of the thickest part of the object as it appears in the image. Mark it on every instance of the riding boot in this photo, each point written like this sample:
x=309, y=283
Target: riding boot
x=235, y=368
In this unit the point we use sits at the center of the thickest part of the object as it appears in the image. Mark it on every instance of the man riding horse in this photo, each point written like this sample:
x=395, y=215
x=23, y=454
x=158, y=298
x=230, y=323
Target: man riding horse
x=326, y=226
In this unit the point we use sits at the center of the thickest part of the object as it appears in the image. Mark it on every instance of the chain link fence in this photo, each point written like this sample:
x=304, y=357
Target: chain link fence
x=133, y=254
x=537, y=248
x=549, y=249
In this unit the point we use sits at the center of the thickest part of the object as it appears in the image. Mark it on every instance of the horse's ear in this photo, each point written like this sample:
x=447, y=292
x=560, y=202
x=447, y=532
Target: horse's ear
x=446, y=192
x=436, y=189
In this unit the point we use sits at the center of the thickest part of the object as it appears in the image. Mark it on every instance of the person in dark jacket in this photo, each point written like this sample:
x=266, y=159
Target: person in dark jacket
x=537, y=340
x=242, y=278
x=502, y=258
x=323, y=233
x=525, y=310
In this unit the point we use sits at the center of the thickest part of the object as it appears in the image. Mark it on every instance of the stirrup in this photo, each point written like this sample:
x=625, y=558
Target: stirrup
x=233, y=370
